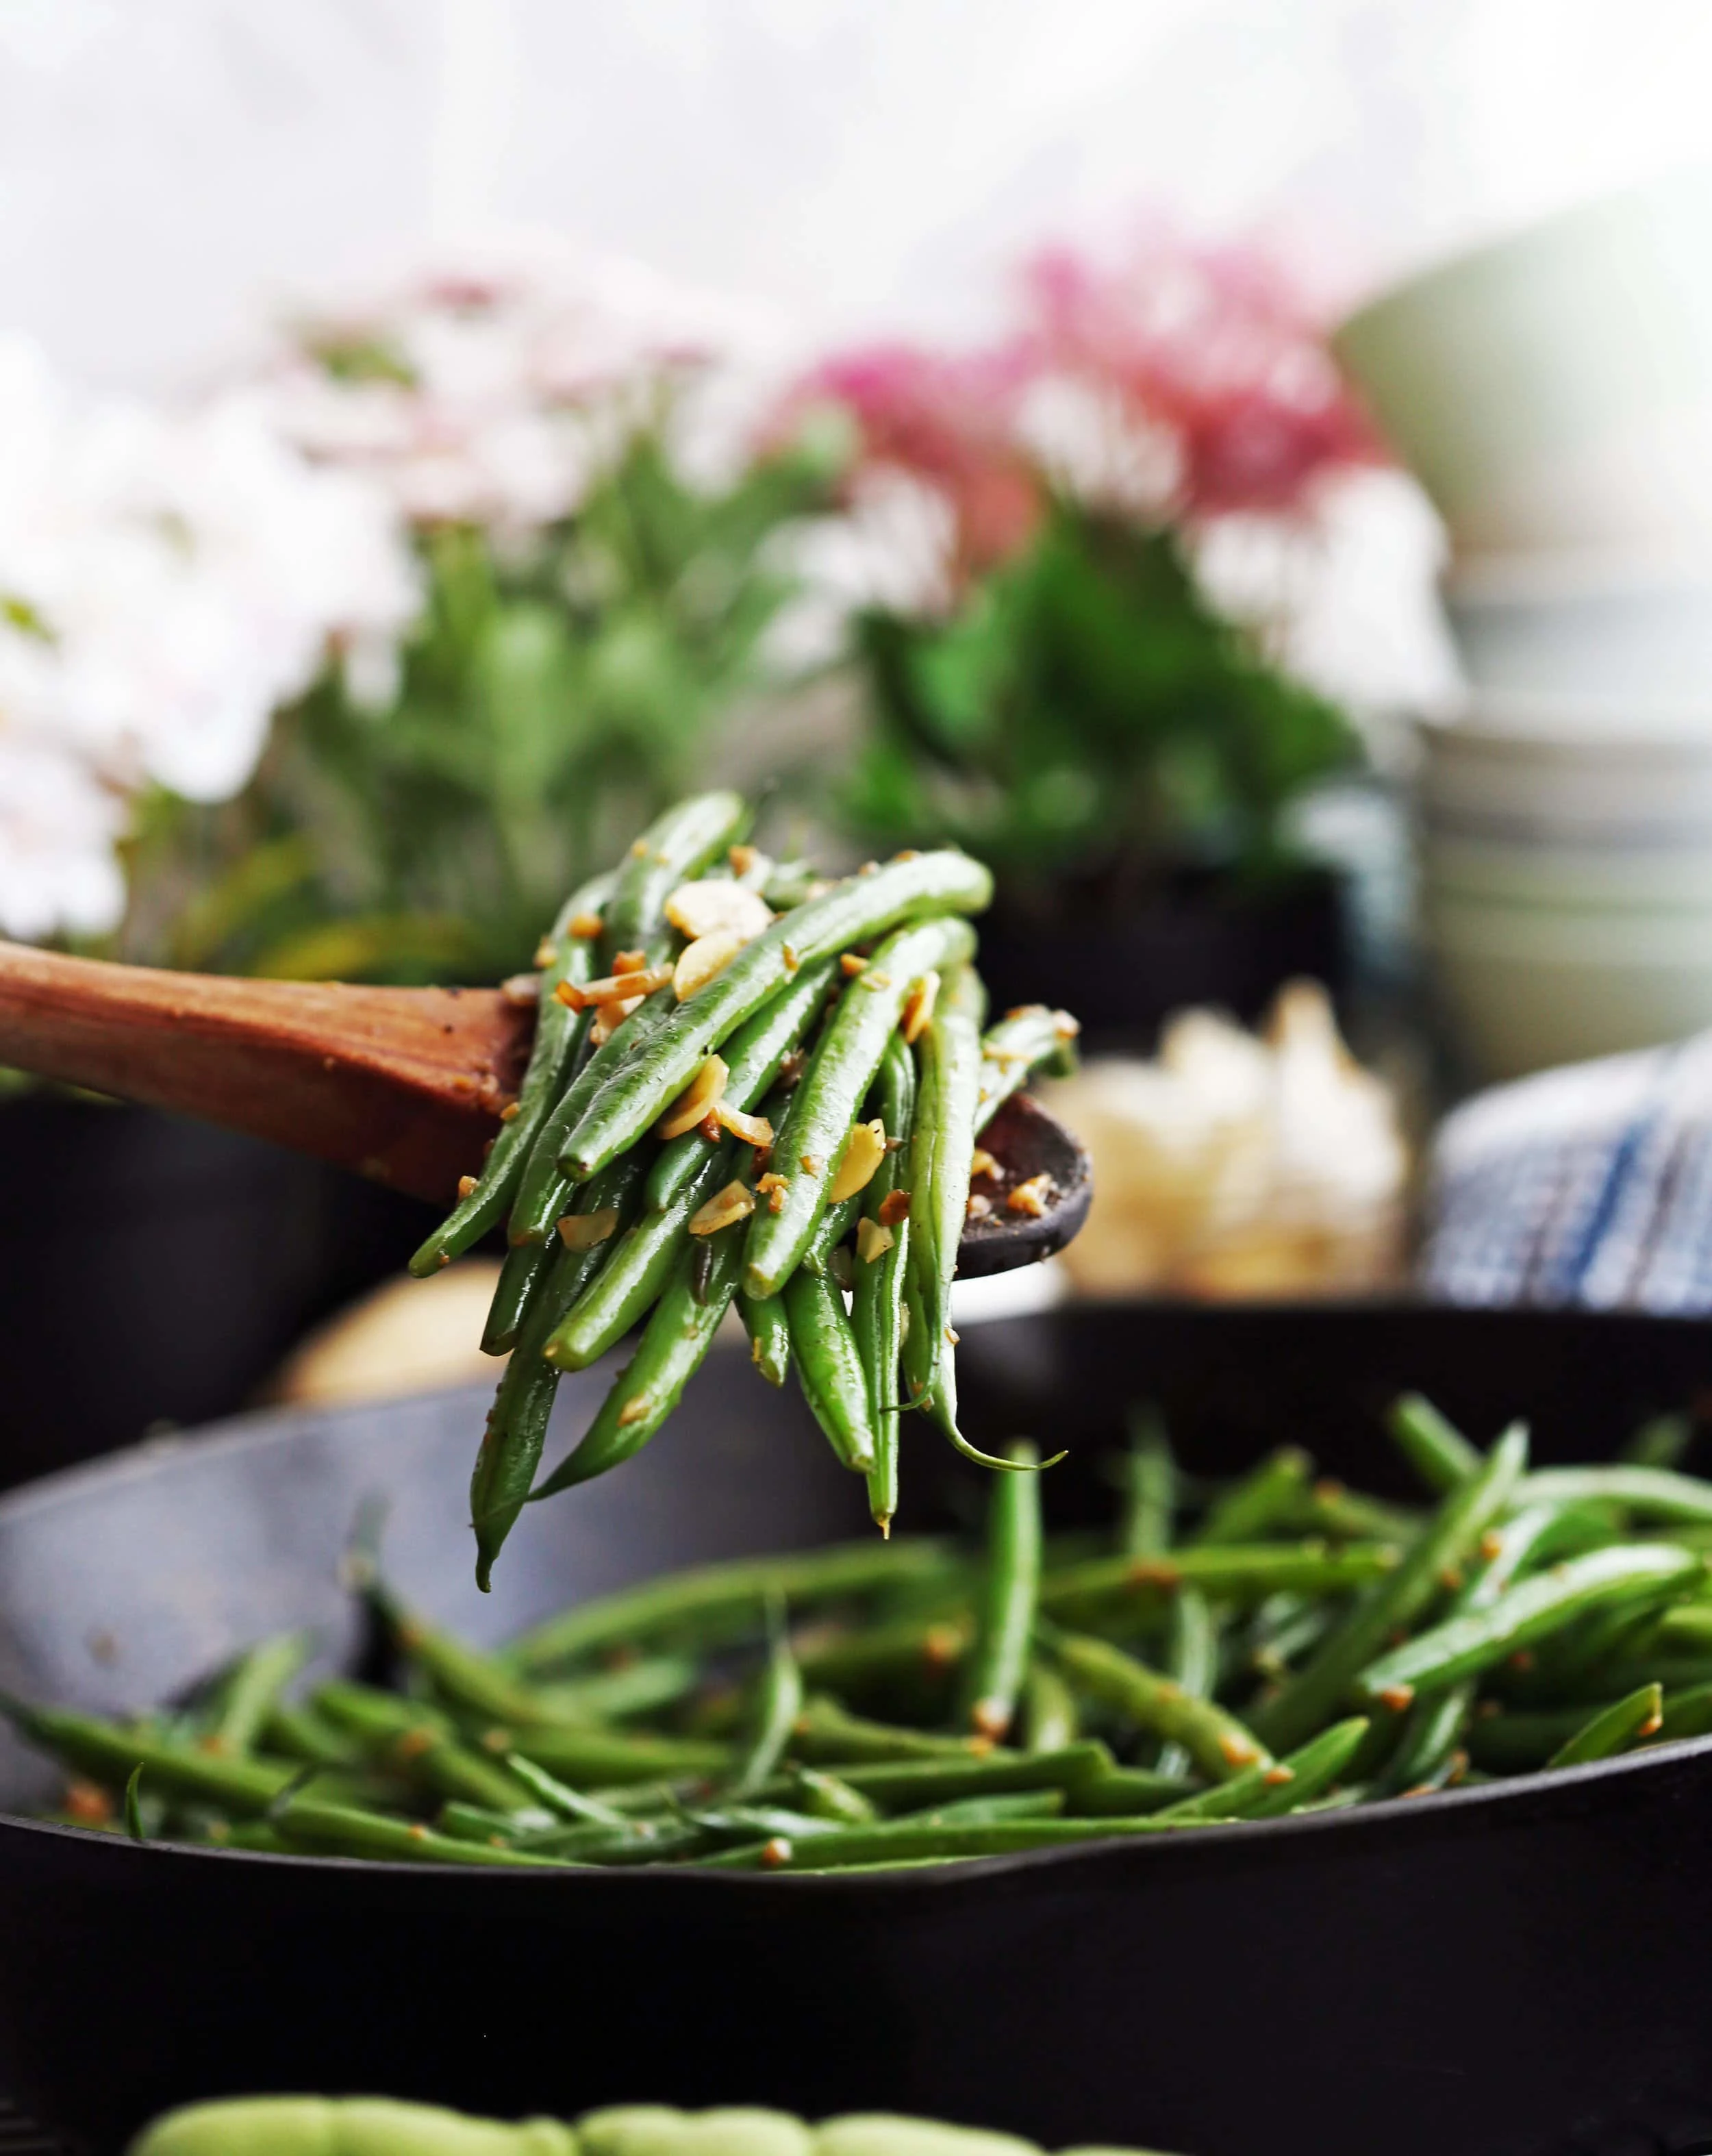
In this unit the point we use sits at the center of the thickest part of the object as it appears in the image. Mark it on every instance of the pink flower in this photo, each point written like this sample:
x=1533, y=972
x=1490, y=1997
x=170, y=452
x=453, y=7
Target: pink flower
x=949, y=420
x=1213, y=345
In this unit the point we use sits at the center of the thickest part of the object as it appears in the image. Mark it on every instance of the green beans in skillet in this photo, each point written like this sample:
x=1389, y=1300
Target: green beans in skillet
x=1522, y=1625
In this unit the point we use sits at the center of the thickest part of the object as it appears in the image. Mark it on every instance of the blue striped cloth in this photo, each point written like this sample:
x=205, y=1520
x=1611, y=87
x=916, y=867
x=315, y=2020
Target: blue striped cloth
x=1588, y=1187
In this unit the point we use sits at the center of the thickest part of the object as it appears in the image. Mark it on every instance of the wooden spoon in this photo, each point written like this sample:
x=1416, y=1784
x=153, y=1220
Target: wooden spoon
x=403, y=1085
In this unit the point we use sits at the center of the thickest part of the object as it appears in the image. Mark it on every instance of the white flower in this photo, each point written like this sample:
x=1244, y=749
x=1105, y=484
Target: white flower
x=487, y=387
x=166, y=584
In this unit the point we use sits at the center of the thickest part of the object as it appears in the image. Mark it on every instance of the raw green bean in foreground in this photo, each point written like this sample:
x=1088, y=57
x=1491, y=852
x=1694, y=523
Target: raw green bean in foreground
x=781, y=1702
x=251, y=1688
x=1433, y=1446
x=1270, y=1788
x=1126, y=1590
x=1191, y=1661
x=1650, y=1496
x=1248, y=1512
x=1150, y=1486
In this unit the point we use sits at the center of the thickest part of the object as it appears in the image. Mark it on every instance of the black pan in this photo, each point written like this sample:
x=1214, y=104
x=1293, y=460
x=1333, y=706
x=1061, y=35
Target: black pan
x=1514, y=1971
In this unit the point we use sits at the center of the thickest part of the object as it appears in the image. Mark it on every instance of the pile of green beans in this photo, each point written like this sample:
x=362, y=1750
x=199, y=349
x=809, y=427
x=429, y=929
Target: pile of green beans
x=842, y=1034
x=369, y=2126
x=1272, y=1647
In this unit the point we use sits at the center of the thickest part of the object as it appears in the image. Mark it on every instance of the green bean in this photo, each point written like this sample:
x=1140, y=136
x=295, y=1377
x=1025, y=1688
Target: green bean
x=1191, y=1661
x=908, y=1784
x=1437, y=1451
x=297, y=1732
x=1614, y=1730
x=517, y=1423
x=1664, y=1440
x=1348, y=1515
x=829, y=1366
x=754, y=1056
x=633, y=1688
x=465, y=1822
x=545, y=1188
x=1651, y=1494
x=653, y=1074
x=706, y=1601
x=549, y=1790
x=877, y=1303
x=769, y=1333
x=608, y=1758
x=1219, y=1743
x=1127, y=1590
x=1270, y=1788
x=107, y=1753
x=1150, y=1486
x=642, y=1263
x=343, y=1830
x=1030, y=1037
x=1442, y=1546
x=249, y=1693
x=525, y=1266
x=980, y=1811
x=413, y=1740
x=1686, y=1714
x=674, y=849
x=133, y=1805
x=827, y=1735
x=941, y=1149
x=1010, y=1596
x=1633, y=1574
x=1511, y=1743
x=830, y=1797
x=780, y=1703
x=895, y=1841
x=842, y=1067
x=1271, y=1493
x=460, y=1675
x=674, y=1343
x=559, y=1034
x=884, y=1654
x=636, y=1841
x=1128, y=1792
x=1049, y=1718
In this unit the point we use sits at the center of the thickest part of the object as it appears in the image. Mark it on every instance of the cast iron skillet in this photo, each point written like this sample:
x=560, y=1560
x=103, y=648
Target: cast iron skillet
x=1516, y=1971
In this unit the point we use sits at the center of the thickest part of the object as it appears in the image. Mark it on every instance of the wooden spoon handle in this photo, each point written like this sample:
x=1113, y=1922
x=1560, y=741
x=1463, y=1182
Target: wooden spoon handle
x=401, y=1084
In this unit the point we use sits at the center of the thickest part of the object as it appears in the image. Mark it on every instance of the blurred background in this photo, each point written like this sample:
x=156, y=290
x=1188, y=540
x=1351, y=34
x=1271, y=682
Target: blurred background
x=1245, y=469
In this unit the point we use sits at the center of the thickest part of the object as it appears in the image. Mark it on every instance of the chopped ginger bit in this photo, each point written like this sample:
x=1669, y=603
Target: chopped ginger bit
x=615, y=988
x=894, y=1207
x=776, y=1852
x=634, y=1410
x=872, y=1240
x=717, y=906
x=1064, y=1026
x=586, y=927
x=466, y=1183
x=630, y=961
x=704, y=960
x=509, y=1112
x=1278, y=1775
x=724, y=1210
x=773, y=1188
x=792, y=961
x=639, y=847
x=521, y=989
x=853, y=963
x=992, y=1717
x=699, y=1100
x=568, y=995
x=919, y=1007
x=1398, y=1696
x=1239, y=1751
x=982, y=1162
x=864, y=1149
x=546, y=952
x=84, y=1801
x=1032, y=1197
x=753, y=1129
x=907, y=854
x=978, y=1208
x=809, y=1163
x=582, y=1231
x=743, y=858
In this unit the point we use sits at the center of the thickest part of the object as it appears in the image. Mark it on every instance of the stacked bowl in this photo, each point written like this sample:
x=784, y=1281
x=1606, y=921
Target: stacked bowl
x=1554, y=393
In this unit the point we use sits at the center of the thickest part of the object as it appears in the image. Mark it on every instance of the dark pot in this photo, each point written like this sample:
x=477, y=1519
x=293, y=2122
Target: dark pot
x=1205, y=940
x=1517, y=1969
x=154, y=1269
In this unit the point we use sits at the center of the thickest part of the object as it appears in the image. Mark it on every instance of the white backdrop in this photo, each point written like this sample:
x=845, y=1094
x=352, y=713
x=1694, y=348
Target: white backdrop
x=169, y=167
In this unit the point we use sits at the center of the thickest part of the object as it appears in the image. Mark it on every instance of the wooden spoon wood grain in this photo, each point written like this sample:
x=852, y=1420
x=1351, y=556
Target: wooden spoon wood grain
x=401, y=1084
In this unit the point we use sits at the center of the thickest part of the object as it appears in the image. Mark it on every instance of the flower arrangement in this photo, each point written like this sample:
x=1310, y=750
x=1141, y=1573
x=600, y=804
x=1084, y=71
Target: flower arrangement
x=1050, y=677
x=515, y=569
